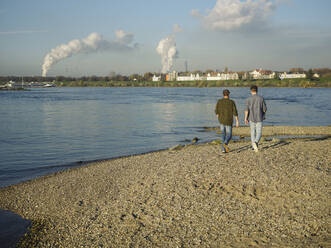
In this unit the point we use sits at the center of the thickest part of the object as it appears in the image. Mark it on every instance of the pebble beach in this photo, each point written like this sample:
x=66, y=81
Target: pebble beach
x=187, y=196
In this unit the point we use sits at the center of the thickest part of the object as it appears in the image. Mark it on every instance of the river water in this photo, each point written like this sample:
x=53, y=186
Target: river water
x=47, y=130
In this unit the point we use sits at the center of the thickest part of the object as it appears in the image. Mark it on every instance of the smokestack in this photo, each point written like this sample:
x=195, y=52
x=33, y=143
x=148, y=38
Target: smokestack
x=94, y=42
x=167, y=50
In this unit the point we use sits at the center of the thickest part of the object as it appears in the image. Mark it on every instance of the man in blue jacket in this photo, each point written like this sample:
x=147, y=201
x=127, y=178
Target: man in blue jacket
x=254, y=115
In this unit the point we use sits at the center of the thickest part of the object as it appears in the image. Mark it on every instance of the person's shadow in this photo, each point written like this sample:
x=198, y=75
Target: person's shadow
x=262, y=147
x=319, y=138
x=280, y=143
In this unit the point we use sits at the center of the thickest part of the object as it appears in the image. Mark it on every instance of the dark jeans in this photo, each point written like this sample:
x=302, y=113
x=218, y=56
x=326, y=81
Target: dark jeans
x=226, y=134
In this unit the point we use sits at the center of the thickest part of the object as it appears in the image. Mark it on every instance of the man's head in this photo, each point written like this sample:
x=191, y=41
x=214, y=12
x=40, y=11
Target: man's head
x=254, y=89
x=226, y=93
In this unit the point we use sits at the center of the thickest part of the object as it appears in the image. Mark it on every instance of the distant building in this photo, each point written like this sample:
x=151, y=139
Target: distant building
x=192, y=77
x=230, y=76
x=186, y=78
x=156, y=78
x=291, y=75
x=316, y=75
x=214, y=76
x=262, y=74
x=222, y=76
x=171, y=76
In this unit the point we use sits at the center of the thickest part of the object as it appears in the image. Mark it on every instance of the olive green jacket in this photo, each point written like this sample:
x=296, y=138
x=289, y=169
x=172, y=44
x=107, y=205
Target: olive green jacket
x=226, y=109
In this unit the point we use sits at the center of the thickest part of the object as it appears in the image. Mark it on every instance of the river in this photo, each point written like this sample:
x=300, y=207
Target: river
x=50, y=129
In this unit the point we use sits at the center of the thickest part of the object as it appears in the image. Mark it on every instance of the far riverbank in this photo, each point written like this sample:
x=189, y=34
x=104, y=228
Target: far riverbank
x=286, y=83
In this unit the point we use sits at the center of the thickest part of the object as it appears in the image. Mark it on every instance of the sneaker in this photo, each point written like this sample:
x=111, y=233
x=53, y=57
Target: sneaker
x=226, y=148
x=223, y=149
x=256, y=149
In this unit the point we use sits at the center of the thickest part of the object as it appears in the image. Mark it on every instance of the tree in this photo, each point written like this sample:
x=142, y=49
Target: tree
x=93, y=78
x=241, y=75
x=135, y=77
x=197, y=72
x=112, y=74
x=209, y=71
x=148, y=76
x=323, y=72
x=297, y=70
x=310, y=74
x=60, y=79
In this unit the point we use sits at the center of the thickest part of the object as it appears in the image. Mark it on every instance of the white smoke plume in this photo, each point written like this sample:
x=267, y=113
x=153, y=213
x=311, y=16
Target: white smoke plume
x=94, y=42
x=177, y=28
x=235, y=14
x=167, y=49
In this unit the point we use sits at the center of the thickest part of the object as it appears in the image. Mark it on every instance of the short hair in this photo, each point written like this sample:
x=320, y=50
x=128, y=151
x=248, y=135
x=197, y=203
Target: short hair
x=226, y=92
x=254, y=88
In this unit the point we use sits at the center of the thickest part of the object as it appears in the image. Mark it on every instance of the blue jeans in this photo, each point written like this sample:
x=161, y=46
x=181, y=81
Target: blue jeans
x=226, y=134
x=256, y=131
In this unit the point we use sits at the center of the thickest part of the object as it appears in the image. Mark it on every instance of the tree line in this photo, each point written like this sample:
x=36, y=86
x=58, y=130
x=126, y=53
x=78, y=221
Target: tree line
x=113, y=78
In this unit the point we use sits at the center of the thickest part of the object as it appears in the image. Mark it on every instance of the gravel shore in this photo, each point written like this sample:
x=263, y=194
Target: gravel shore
x=279, y=130
x=190, y=197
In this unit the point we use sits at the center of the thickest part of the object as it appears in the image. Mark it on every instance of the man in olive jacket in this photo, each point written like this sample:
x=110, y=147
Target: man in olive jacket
x=225, y=110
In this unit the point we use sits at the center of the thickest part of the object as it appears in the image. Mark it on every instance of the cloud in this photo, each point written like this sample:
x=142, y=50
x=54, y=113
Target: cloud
x=94, y=42
x=228, y=15
x=123, y=37
x=23, y=32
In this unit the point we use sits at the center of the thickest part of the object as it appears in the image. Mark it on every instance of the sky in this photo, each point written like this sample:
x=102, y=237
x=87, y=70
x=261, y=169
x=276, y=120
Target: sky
x=214, y=34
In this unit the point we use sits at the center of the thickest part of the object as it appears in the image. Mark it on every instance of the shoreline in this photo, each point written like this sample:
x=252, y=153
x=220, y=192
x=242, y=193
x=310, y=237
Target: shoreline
x=175, y=86
x=168, y=197
x=13, y=89
x=241, y=133
x=188, y=86
x=272, y=130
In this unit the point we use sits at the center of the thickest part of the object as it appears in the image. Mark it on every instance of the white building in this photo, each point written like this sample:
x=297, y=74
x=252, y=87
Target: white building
x=223, y=76
x=192, y=77
x=230, y=76
x=291, y=75
x=172, y=76
x=214, y=77
x=316, y=75
x=186, y=78
x=262, y=74
x=156, y=78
